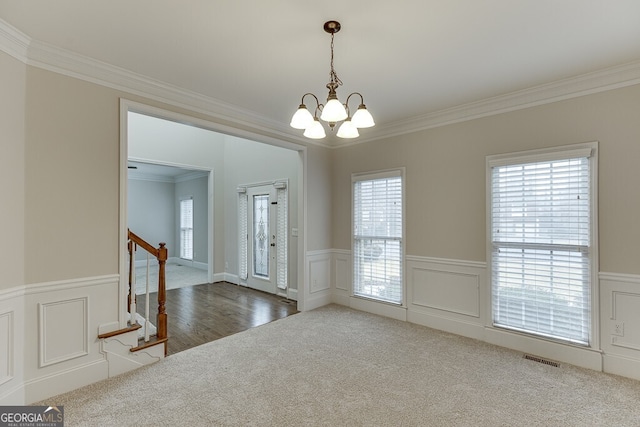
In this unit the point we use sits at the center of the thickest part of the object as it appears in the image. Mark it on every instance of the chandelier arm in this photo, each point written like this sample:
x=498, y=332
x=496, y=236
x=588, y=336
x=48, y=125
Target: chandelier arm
x=309, y=93
x=346, y=104
x=355, y=93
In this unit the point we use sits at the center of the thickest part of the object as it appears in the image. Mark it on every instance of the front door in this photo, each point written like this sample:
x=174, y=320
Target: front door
x=261, y=221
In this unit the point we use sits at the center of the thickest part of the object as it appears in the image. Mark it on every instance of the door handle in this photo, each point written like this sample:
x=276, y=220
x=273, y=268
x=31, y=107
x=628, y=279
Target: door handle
x=273, y=244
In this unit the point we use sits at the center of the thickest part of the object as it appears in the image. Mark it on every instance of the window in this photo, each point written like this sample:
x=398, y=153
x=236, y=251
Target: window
x=541, y=231
x=186, y=228
x=378, y=236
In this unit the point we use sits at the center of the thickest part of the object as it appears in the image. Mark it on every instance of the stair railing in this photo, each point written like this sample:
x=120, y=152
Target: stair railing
x=161, y=255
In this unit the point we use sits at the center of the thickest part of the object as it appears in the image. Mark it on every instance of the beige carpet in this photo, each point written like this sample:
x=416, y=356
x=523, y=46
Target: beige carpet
x=339, y=367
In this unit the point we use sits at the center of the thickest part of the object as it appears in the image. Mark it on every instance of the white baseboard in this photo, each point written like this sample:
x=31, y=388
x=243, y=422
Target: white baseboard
x=13, y=397
x=620, y=365
x=316, y=300
x=226, y=277
x=453, y=326
x=340, y=297
x=292, y=294
x=61, y=382
x=379, y=308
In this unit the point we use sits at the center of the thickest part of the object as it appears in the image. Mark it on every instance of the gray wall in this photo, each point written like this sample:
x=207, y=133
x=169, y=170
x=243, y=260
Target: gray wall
x=151, y=213
x=12, y=171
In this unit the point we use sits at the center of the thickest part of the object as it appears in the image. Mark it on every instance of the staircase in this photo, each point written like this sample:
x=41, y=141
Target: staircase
x=124, y=348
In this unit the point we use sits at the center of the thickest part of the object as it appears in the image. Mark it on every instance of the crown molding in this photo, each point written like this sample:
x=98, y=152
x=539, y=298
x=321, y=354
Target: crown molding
x=191, y=176
x=42, y=55
x=13, y=42
x=52, y=58
x=141, y=176
x=188, y=176
x=586, y=84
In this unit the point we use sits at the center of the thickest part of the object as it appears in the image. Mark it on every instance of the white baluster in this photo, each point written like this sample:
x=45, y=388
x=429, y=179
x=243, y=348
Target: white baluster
x=146, y=306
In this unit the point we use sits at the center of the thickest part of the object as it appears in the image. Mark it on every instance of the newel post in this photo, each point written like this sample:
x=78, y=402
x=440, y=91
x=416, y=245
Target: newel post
x=131, y=270
x=162, y=294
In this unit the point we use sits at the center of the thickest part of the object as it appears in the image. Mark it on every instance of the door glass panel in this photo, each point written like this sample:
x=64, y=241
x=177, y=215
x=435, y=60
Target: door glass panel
x=261, y=235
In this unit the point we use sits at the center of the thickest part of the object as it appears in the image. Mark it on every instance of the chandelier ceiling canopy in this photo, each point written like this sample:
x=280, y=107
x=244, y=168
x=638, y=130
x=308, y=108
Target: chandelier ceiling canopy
x=333, y=111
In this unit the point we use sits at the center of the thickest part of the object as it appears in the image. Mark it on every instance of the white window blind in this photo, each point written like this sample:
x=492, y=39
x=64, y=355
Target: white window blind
x=541, y=247
x=377, y=238
x=282, y=234
x=243, y=234
x=186, y=228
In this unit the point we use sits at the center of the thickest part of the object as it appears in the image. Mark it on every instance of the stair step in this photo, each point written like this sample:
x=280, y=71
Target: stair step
x=133, y=327
x=150, y=343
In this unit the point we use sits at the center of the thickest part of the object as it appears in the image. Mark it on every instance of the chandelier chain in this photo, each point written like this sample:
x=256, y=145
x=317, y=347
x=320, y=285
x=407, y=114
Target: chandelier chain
x=333, y=75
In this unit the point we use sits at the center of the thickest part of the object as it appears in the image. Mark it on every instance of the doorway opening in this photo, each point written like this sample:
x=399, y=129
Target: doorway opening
x=217, y=147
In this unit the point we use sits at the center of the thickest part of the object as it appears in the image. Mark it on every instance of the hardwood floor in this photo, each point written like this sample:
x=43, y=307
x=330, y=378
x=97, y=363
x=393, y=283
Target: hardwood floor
x=202, y=313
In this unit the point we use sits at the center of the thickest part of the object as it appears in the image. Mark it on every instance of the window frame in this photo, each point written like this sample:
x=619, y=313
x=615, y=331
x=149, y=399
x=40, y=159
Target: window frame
x=368, y=176
x=590, y=150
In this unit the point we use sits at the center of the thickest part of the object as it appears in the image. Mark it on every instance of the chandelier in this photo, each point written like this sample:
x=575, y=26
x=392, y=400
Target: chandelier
x=333, y=111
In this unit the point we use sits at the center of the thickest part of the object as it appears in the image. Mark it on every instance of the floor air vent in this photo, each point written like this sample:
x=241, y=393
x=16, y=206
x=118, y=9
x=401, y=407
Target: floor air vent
x=541, y=360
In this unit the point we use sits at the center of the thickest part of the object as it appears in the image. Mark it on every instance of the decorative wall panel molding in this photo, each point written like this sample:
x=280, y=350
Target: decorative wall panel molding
x=64, y=331
x=620, y=323
x=625, y=313
x=446, y=290
x=342, y=270
x=7, y=346
x=443, y=287
x=319, y=267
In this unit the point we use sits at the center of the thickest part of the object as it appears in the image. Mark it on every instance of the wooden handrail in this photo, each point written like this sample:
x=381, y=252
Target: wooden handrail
x=144, y=245
x=161, y=254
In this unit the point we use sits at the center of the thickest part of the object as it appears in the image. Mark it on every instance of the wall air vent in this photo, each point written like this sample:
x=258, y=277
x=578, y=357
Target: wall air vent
x=541, y=360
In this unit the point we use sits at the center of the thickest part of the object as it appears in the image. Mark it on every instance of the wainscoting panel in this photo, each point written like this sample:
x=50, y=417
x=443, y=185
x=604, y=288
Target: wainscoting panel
x=446, y=294
x=447, y=291
x=620, y=323
x=60, y=330
x=318, y=289
x=625, y=316
x=12, y=353
x=63, y=330
x=7, y=347
x=319, y=273
x=342, y=270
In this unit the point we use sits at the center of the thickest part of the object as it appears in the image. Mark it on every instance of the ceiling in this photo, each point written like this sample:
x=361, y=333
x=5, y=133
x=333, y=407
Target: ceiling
x=411, y=59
